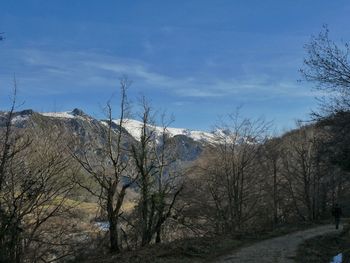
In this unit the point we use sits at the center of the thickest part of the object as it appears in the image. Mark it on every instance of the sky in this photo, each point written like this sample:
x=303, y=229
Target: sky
x=196, y=59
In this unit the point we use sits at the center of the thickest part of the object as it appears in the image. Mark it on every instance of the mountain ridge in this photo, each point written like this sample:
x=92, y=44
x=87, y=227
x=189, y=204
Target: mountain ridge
x=133, y=127
x=83, y=129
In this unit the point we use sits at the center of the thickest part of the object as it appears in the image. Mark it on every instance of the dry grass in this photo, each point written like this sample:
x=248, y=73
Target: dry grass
x=201, y=249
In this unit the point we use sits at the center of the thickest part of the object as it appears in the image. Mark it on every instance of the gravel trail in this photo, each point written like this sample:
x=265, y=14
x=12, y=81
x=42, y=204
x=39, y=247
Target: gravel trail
x=276, y=250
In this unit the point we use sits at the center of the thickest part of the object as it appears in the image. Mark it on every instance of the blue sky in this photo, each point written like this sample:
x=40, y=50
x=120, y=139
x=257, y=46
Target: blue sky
x=195, y=59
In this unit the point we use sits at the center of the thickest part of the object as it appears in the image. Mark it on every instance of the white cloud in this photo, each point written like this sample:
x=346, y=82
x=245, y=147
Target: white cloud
x=83, y=70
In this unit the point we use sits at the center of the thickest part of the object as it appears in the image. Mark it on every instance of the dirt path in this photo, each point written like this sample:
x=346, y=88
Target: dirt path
x=280, y=249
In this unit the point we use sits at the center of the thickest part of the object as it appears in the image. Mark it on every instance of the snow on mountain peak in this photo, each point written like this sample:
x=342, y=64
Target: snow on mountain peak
x=134, y=127
x=66, y=114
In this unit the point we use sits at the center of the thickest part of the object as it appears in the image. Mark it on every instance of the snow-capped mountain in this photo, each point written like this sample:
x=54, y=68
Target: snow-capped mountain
x=83, y=125
x=134, y=127
x=84, y=129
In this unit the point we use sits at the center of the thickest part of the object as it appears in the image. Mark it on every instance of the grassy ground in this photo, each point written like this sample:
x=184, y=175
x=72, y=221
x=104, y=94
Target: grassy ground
x=195, y=250
x=324, y=248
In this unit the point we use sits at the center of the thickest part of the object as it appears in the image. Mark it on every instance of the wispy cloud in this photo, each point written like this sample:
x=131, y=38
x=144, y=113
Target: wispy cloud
x=81, y=70
x=201, y=87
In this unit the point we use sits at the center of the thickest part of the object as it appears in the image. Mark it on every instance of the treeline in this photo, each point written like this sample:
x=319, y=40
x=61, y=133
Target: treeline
x=252, y=183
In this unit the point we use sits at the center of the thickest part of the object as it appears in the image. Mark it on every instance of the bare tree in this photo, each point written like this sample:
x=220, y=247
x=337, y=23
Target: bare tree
x=7, y=244
x=232, y=179
x=327, y=65
x=302, y=168
x=270, y=161
x=112, y=171
x=35, y=183
x=158, y=179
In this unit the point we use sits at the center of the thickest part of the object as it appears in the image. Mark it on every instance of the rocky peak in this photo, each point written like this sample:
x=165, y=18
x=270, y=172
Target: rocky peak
x=25, y=112
x=79, y=112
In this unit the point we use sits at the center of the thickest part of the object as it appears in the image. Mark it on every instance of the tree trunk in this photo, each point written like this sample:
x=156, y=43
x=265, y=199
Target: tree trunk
x=113, y=235
x=275, y=198
x=158, y=237
x=113, y=222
